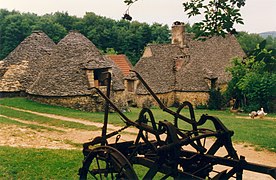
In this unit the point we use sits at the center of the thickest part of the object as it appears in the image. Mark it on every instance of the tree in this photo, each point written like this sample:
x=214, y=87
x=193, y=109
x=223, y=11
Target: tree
x=219, y=16
x=254, y=79
x=15, y=27
x=67, y=21
x=248, y=41
x=123, y=36
x=54, y=30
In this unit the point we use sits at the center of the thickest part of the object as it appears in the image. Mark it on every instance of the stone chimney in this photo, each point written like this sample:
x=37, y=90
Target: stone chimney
x=178, y=33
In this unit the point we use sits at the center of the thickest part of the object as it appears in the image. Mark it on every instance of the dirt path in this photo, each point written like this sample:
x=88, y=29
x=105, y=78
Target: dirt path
x=81, y=121
x=68, y=138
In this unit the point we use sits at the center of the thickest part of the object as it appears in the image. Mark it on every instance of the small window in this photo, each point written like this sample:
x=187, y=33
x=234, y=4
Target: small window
x=130, y=86
x=100, y=77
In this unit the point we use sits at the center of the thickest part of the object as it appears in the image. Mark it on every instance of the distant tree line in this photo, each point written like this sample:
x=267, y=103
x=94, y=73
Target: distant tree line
x=107, y=34
x=110, y=36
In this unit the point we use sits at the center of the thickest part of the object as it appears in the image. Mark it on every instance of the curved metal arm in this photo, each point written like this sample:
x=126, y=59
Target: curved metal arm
x=161, y=105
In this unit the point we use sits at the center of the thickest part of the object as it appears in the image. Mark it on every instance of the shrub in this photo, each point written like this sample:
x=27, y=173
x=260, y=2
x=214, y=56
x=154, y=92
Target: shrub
x=215, y=99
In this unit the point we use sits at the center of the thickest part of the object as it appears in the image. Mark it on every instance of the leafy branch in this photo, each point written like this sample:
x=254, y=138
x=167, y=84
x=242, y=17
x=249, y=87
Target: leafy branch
x=219, y=16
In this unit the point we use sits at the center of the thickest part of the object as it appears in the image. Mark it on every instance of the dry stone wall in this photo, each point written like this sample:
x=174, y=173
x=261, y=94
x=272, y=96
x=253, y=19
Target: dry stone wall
x=92, y=103
x=84, y=103
x=173, y=98
x=167, y=99
x=10, y=80
x=196, y=98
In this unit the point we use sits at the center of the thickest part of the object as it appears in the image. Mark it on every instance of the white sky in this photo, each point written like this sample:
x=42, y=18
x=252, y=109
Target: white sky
x=259, y=15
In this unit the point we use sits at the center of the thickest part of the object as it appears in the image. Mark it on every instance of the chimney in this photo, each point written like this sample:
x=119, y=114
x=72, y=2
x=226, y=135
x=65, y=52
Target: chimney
x=178, y=33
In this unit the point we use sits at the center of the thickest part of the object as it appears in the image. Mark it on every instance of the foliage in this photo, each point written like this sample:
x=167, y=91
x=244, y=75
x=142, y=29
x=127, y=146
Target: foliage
x=215, y=99
x=14, y=27
x=249, y=41
x=110, y=51
x=53, y=29
x=124, y=37
x=254, y=79
x=220, y=16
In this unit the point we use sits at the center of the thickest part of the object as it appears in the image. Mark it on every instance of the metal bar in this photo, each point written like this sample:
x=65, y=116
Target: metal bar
x=233, y=163
x=161, y=105
x=106, y=109
x=163, y=168
x=114, y=106
x=126, y=119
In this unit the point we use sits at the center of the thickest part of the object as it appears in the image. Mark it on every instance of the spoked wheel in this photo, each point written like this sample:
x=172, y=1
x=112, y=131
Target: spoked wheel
x=105, y=162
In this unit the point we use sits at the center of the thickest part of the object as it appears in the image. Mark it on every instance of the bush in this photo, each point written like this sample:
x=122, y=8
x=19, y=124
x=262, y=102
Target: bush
x=215, y=99
x=253, y=81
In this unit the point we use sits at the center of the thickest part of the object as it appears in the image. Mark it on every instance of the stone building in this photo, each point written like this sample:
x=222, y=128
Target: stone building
x=186, y=69
x=76, y=65
x=21, y=67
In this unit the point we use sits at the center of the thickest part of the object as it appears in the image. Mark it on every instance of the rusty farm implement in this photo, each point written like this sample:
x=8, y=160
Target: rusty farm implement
x=164, y=148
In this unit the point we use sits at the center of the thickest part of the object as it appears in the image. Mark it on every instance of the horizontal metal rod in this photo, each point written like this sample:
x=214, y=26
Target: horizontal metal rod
x=234, y=162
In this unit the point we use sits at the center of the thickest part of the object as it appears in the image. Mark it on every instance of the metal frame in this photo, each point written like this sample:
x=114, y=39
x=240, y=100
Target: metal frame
x=168, y=155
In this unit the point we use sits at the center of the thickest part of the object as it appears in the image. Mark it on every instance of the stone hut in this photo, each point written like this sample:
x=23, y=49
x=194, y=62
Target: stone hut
x=21, y=67
x=76, y=65
x=186, y=69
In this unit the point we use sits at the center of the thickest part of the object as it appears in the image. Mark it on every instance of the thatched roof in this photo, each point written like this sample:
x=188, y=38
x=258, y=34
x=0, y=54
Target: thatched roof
x=64, y=75
x=22, y=66
x=169, y=68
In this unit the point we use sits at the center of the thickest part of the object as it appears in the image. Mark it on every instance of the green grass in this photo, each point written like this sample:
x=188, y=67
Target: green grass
x=8, y=121
x=25, y=163
x=26, y=104
x=259, y=132
x=26, y=116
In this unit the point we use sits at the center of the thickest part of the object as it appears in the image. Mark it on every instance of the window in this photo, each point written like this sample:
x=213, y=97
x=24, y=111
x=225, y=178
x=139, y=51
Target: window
x=130, y=85
x=100, y=78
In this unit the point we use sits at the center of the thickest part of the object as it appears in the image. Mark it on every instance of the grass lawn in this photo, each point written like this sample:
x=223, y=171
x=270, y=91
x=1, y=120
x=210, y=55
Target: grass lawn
x=29, y=163
x=41, y=119
x=25, y=163
x=259, y=132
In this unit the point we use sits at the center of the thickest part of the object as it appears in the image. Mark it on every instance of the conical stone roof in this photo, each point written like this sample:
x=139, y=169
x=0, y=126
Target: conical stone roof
x=34, y=51
x=64, y=75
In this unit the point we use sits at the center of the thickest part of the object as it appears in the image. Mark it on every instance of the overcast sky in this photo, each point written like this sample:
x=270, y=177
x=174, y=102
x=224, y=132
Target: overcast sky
x=259, y=15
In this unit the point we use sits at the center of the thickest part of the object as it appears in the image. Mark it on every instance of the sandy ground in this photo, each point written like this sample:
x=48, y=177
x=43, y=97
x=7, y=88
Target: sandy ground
x=66, y=138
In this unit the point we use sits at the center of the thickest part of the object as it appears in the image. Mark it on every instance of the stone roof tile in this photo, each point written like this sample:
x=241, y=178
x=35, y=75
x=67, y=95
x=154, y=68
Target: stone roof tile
x=35, y=49
x=168, y=67
x=64, y=75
